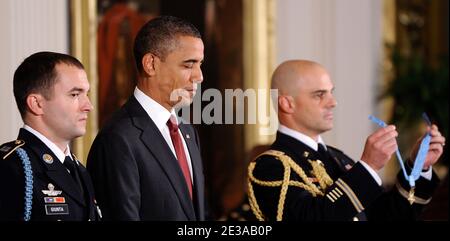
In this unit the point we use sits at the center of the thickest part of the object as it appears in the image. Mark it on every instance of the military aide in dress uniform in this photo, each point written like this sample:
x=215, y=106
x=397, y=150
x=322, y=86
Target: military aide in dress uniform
x=40, y=179
x=299, y=178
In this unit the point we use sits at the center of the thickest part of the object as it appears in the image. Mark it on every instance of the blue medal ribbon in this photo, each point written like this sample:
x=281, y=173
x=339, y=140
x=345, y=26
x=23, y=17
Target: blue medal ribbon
x=421, y=154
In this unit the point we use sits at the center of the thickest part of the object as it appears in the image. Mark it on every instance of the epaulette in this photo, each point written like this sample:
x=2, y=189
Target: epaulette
x=275, y=153
x=9, y=147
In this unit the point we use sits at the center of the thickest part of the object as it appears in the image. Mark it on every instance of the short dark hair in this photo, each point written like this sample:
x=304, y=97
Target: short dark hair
x=158, y=36
x=37, y=74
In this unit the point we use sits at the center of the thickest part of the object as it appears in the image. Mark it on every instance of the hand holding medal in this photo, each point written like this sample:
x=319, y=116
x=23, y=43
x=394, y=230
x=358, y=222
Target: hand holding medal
x=426, y=151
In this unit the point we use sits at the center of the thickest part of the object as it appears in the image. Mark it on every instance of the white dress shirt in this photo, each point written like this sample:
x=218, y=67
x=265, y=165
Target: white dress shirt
x=314, y=145
x=52, y=146
x=160, y=116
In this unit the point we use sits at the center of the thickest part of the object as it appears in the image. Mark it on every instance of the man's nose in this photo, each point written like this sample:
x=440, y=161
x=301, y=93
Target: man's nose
x=87, y=107
x=332, y=102
x=197, y=75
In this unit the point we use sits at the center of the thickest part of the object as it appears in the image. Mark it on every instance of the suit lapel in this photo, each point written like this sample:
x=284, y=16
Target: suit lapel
x=156, y=144
x=196, y=161
x=87, y=184
x=56, y=171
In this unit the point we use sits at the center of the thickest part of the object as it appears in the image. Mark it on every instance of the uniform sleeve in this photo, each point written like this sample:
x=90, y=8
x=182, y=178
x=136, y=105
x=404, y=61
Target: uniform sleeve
x=12, y=186
x=394, y=204
x=114, y=172
x=348, y=196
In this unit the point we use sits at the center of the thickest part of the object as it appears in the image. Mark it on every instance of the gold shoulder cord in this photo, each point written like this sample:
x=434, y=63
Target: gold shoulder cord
x=318, y=171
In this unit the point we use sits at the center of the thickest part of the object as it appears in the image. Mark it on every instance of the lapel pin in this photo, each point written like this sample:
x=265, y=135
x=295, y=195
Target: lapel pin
x=305, y=154
x=47, y=158
x=188, y=136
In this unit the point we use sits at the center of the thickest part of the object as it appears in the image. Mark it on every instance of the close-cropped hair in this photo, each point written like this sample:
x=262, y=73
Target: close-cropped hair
x=159, y=37
x=37, y=74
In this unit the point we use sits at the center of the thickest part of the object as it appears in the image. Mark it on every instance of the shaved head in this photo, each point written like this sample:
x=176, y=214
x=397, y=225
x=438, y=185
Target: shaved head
x=291, y=74
x=305, y=101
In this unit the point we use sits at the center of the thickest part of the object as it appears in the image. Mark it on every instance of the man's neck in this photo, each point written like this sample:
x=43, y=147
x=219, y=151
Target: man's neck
x=144, y=86
x=61, y=144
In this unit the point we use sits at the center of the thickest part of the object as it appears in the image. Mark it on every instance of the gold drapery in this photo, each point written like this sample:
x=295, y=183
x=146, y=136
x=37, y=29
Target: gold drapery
x=83, y=32
x=259, y=59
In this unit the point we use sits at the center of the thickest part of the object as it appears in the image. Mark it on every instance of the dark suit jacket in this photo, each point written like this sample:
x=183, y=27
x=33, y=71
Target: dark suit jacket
x=354, y=192
x=135, y=174
x=76, y=205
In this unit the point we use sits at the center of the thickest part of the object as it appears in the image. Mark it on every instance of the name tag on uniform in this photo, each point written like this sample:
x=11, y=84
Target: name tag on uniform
x=56, y=209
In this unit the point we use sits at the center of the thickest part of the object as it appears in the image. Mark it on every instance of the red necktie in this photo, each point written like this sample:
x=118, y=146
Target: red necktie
x=179, y=149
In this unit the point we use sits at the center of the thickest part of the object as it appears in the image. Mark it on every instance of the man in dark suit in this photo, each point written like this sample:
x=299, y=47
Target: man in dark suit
x=300, y=178
x=145, y=163
x=40, y=179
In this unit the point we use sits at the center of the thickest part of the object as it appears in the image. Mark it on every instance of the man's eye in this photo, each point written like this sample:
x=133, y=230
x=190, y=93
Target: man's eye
x=189, y=65
x=75, y=95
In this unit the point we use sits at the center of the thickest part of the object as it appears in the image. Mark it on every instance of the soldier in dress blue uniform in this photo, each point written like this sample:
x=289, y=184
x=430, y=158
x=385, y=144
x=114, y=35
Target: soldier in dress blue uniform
x=300, y=178
x=40, y=179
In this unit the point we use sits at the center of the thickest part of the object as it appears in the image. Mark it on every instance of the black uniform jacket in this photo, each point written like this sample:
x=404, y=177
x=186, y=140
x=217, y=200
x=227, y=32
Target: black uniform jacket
x=354, y=192
x=56, y=196
x=135, y=174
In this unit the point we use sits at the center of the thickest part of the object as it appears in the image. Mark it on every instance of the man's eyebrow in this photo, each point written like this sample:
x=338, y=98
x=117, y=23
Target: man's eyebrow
x=76, y=89
x=318, y=91
x=193, y=61
x=322, y=91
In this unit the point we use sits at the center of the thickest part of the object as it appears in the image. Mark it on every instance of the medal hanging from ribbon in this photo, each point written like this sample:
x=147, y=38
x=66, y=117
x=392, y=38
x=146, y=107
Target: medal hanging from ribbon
x=418, y=162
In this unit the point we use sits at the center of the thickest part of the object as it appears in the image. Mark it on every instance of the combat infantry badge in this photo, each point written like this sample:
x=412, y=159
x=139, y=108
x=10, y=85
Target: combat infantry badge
x=51, y=191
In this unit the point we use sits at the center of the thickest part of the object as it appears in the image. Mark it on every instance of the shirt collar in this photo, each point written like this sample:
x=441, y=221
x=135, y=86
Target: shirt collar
x=156, y=111
x=302, y=137
x=52, y=146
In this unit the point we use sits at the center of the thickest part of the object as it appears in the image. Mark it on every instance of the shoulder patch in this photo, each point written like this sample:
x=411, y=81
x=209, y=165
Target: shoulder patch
x=9, y=147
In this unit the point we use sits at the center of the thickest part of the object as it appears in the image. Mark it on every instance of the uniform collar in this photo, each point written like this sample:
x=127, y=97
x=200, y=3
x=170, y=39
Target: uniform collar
x=302, y=137
x=52, y=146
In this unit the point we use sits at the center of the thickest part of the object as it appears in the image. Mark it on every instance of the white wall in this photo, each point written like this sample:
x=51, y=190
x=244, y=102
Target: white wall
x=26, y=26
x=344, y=36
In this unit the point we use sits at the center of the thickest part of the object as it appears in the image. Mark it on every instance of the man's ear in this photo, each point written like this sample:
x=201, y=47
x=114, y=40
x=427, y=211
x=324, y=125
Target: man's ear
x=148, y=64
x=35, y=104
x=286, y=104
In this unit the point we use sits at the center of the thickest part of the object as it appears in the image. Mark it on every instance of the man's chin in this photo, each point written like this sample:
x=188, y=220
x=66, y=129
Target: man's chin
x=327, y=128
x=79, y=133
x=183, y=102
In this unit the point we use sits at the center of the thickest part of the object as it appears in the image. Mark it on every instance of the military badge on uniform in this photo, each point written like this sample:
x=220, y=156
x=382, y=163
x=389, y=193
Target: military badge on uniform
x=305, y=154
x=5, y=148
x=57, y=209
x=348, y=167
x=8, y=148
x=54, y=200
x=51, y=191
x=47, y=158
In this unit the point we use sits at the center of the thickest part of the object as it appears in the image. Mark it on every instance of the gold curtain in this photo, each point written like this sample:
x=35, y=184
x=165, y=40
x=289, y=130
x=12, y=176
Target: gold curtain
x=83, y=34
x=259, y=59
